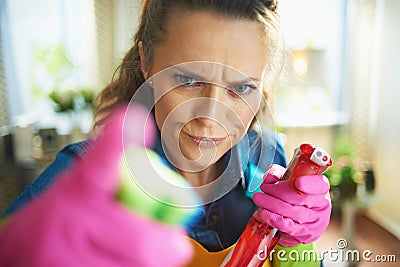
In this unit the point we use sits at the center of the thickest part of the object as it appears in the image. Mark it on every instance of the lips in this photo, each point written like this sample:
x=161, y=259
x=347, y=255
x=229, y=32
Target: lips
x=206, y=141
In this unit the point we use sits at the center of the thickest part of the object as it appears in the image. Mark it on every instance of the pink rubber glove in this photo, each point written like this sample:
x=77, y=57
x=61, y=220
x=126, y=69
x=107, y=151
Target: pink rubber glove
x=78, y=222
x=301, y=217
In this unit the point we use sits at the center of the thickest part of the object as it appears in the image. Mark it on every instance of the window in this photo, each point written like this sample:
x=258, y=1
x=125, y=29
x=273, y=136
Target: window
x=51, y=47
x=310, y=93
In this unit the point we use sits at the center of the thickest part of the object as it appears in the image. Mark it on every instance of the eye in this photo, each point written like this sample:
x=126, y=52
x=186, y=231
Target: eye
x=185, y=80
x=243, y=89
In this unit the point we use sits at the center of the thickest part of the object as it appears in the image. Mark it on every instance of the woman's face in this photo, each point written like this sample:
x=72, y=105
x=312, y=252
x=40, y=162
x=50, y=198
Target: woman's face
x=204, y=108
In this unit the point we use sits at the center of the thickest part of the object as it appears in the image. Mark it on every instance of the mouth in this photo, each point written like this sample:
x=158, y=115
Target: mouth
x=206, y=142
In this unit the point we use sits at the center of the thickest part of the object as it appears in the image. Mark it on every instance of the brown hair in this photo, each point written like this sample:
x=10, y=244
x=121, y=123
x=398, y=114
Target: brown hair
x=152, y=29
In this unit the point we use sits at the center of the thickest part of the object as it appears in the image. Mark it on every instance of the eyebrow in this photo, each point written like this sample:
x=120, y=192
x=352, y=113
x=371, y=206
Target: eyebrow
x=200, y=78
x=192, y=75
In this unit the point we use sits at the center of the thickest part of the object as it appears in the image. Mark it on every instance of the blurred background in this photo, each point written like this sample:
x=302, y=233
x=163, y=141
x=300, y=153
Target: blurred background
x=340, y=92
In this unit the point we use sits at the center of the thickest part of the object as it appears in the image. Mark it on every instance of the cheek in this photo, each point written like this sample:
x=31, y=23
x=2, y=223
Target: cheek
x=161, y=110
x=165, y=107
x=246, y=116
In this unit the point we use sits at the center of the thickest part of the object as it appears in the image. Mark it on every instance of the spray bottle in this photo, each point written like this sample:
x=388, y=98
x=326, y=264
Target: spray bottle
x=259, y=239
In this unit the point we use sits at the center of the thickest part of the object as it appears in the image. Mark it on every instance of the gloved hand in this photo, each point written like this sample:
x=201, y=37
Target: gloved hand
x=301, y=217
x=79, y=222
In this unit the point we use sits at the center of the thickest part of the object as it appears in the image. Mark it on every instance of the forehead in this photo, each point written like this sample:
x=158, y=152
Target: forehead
x=203, y=36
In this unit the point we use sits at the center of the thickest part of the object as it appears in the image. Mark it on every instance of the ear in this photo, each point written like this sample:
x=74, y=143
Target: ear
x=142, y=61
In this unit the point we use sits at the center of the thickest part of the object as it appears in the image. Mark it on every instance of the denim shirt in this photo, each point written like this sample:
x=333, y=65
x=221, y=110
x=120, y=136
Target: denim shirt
x=222, y=221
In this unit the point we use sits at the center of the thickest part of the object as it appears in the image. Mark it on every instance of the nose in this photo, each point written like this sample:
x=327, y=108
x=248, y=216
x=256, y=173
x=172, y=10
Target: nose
x=214, y=105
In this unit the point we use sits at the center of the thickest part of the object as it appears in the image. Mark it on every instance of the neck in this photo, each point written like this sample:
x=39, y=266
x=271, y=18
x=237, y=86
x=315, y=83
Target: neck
x=203, y=177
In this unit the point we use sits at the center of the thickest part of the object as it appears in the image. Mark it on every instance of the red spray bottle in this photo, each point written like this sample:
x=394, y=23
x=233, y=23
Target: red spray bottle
x=259, y=239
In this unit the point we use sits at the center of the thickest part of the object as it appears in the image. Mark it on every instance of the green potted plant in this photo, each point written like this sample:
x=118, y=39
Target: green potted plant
x=72, y=100
x=347, y=174
x=343, y=174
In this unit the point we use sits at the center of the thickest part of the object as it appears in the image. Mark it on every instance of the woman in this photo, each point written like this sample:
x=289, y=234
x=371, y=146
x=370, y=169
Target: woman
x=209, y=66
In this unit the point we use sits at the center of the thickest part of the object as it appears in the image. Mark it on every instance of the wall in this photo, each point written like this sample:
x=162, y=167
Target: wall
x=318, y=135
x=385, y=117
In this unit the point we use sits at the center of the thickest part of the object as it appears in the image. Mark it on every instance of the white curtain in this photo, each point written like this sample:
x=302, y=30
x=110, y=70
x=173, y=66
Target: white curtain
x=359, y=70
x=3, y=97
x=116, y=23
x=104, y=17
x=11, y=100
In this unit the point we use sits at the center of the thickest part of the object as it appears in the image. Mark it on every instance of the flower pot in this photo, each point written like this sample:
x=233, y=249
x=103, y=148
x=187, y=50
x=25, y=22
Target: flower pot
x=348, y=189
